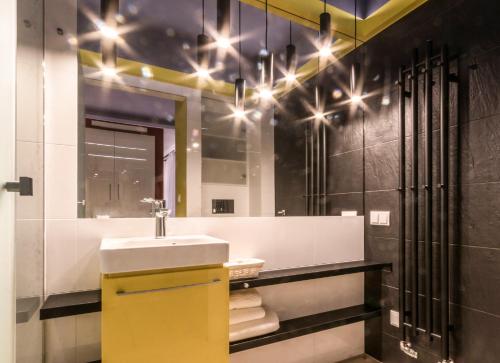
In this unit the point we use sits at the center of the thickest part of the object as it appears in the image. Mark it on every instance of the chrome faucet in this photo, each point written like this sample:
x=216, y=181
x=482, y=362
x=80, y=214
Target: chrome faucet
x=160, y=213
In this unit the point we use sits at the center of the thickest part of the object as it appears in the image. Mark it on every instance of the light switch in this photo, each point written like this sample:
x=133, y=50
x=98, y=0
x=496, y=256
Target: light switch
x=374, y=218
x=384, y=218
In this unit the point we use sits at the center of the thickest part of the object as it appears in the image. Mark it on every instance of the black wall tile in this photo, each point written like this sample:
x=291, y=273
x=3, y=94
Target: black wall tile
x=344, y=202
x=381, y=166
x=344, y=134
x=345, y=172
x=381, y=121
x=480, y=154
x=384, y=249
x=475, y=276
x=479, y=215
x=484, y=86
x=475, y=336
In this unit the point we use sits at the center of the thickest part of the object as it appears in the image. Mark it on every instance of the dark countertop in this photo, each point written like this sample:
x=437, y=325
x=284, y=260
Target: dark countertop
x=83, y=302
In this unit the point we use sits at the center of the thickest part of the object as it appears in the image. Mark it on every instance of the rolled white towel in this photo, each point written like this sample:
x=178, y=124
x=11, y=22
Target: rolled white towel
x=242, y=299
x=254, y=328
x=241, y=315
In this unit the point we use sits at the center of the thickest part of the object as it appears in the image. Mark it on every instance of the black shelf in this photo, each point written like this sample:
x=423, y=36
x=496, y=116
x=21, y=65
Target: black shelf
x=275, y=277
x=84, y=302
x=73, y=303
x=309, y=324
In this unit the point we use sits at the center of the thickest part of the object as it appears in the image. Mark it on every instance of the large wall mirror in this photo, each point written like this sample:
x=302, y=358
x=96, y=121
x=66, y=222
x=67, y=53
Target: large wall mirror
x=141, y=139
x=159, y=117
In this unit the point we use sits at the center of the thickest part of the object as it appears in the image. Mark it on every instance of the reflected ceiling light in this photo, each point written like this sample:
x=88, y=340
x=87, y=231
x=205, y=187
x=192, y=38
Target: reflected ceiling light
x=318, y=113
x=146, y=72
x=223, y=23
x=223, y=42
x=290, y=77
x=337, y=93
x=107, y=31
x=267, y=62
x=386, y=100
x=203, y=73
x=239, y=114
x=291, y=59
x=108, y=28
x=325, y=32
x=356, y=99
x=325, y=52
x=109, y=71
x=239, y=83
x=203, y=41
x=265, y=93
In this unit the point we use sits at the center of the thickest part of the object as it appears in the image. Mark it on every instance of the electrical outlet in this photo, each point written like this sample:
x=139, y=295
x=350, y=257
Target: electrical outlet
x=394, y=317
x=380, y=218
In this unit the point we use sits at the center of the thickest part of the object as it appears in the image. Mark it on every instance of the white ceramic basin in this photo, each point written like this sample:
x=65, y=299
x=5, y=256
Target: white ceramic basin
x=149, y=253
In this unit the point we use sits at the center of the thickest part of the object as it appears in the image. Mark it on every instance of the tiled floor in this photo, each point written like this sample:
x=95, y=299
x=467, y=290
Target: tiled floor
x=361, y=359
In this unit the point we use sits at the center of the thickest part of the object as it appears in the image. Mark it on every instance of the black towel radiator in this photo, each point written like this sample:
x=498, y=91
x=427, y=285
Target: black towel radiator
x=410, y=330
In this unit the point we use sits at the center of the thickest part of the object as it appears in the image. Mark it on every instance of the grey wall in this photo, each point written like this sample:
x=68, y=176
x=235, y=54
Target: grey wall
x=470, y=29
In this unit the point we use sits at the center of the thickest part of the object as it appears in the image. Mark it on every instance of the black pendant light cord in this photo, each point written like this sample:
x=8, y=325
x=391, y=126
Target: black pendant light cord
x=290, y=32
x=324, y=6
x=355, y=23
x=203, y=17
x=266, y=26
x=239, y=37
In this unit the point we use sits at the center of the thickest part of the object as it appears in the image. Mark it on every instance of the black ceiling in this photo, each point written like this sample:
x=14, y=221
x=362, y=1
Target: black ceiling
x=164, y=33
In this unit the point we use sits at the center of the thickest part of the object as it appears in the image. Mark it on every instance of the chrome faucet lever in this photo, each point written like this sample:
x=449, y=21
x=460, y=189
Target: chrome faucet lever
x=160, y=213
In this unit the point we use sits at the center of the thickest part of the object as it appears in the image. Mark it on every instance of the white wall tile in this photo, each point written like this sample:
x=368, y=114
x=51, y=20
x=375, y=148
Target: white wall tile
x=88, y=338
x=339, y=291
x=291, y=300
x=29, y=162
x=297, y=350
x=61, y=74
x=281, y=242
x=340, y=343
x=61, y=264
x=30, y=332
x=338, y=239
x=60, y=340
x=90, y=232
x=60, y=181
x=29, y=258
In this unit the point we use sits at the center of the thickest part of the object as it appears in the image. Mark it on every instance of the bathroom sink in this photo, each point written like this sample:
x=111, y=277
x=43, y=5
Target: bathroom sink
x=149, y=253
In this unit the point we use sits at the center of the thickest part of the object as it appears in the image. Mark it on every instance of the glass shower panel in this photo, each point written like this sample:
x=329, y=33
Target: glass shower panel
x=29, y=227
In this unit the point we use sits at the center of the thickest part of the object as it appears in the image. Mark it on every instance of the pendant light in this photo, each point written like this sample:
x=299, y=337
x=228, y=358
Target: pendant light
x=108, y=28
x=223, y=23
x=325, y=32
x=267, y=67
x=291, y=59
x=355, y=67
x=239, y=83
x=202, y=50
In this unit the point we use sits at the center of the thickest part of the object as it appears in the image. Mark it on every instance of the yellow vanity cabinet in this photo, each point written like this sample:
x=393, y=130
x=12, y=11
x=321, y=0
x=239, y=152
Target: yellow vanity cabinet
x=177, y=316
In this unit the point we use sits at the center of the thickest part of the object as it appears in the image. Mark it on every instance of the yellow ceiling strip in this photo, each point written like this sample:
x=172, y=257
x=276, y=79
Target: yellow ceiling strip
x=133, y=68
x=385, y=16
x=306, y=13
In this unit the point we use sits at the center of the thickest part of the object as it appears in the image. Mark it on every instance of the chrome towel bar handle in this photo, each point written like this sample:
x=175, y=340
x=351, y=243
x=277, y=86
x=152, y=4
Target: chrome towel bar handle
x=171, y=288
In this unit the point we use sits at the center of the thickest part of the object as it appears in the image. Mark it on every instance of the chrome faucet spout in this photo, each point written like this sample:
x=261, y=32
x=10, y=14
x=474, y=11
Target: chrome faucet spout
x=160, y=213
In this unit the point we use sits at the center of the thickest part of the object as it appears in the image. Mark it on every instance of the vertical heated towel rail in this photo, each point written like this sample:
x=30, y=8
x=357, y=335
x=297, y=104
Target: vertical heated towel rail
x=425, y=67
